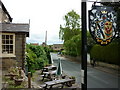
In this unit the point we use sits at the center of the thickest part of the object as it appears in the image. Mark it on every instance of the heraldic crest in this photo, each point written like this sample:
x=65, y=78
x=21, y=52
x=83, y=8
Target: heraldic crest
x=102, y=24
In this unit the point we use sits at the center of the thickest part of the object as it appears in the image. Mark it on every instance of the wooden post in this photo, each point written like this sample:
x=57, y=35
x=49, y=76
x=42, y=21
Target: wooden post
x=20, y=71
x=29, y=79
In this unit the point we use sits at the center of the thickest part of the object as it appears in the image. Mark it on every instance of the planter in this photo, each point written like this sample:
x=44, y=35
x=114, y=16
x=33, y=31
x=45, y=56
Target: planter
x=11, y=75
x=73, y=82
x=4, y=84
x=63, y=77
x=18, y=80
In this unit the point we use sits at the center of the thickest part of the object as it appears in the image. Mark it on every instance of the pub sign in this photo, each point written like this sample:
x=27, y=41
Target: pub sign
x=102, y=24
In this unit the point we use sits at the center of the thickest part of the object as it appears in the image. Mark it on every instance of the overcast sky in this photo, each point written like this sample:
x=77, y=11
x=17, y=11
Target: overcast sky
x=44, y=15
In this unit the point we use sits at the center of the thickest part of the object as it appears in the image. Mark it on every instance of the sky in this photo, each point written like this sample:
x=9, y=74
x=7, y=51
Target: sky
x=44, y=15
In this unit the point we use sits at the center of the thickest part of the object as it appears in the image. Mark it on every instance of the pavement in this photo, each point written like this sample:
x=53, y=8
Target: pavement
x=110, y=70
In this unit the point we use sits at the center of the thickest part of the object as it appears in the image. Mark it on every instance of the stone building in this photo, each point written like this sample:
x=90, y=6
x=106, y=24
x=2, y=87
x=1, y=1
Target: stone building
x=35, y=44
x=57, y=47
x=44, y=44
x=12, y=40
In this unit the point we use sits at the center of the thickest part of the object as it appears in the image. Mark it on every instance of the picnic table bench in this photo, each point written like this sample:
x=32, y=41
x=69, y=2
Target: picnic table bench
x=50, y=84
x=48, y=68
x=48, y=74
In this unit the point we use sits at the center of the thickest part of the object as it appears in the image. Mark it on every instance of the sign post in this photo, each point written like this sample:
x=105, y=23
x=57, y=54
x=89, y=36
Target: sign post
x=84, y=47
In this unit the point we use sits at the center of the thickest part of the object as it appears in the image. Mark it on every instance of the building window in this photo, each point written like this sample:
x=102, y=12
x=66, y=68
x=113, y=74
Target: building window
x=8, y=44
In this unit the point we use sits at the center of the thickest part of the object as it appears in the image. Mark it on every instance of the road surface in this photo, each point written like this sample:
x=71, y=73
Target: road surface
x=95, y=78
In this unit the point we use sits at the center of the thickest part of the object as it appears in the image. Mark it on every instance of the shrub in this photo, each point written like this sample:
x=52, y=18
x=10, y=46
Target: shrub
x=36, y=57
x=48, y=54
x=108, y=54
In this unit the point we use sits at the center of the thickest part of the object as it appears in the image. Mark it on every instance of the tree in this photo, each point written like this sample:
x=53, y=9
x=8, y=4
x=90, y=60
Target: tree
x=71, y=27
x=70, y=33
x=36, y=57
x=90, y=42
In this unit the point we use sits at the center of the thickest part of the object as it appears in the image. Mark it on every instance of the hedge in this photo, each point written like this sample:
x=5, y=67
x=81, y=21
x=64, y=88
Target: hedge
x=109, y=54
x=37, y=57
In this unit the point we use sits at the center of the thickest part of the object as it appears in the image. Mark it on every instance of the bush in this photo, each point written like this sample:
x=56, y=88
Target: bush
x=37, y=57
x=73, y=46
x=48, y=54
x=108, y=54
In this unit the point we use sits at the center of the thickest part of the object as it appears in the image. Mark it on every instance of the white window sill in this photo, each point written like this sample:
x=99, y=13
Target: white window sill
x=7, y=55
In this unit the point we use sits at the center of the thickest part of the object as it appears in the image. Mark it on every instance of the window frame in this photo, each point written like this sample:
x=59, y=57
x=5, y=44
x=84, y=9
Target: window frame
x=7, y=54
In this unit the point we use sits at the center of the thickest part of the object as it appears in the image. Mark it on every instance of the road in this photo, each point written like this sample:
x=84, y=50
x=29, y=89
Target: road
x=95, y=78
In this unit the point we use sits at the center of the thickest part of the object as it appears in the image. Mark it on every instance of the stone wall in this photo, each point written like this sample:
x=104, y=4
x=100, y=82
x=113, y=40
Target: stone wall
x=20, y=42
x=8, y=62
x=3, y=17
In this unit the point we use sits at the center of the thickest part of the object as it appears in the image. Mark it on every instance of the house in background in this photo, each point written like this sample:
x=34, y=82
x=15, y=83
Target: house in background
x=35, y=44
x=12, y=40
x=44, y=44
x=57, y=47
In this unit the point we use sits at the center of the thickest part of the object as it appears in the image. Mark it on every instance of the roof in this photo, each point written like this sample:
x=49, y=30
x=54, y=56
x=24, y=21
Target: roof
x=5, y=10
x=36, y=44
x=14, y=27
x=58, y=44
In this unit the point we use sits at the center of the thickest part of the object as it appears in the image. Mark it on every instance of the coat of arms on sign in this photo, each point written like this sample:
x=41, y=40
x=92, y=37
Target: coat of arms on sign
x=102, y=24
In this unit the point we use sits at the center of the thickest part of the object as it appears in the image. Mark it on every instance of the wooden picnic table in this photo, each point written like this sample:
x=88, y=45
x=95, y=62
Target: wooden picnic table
x=67, y=82
x=48, y=68
x=48, y=74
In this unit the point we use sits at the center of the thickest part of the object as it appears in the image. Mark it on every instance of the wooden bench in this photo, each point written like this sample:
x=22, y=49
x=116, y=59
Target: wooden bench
x=63, y=82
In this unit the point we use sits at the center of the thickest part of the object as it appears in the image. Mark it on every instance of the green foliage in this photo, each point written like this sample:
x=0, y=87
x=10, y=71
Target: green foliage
x=30, y=57
x=90, y=42
x=108, y=54
x=11, y=84
x=73, y=46
x=48, y=54
x=71, y=27
x=71, y=34
x=38, y=50
x=37, y=57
